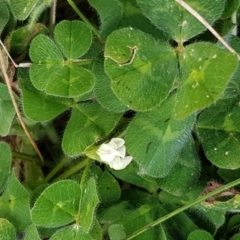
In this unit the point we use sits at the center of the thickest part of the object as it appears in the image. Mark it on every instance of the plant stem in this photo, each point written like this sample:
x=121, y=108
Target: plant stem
x=71, y=171
x=52, y=17
x=183, y=208
x=85, y=173
x=234, y=21
x=80, y=14
x=55, y=169
x=25, y=157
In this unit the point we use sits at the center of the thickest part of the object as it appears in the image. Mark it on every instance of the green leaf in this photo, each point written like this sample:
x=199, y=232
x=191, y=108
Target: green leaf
x=31, y=233
x=54, y=75
x=110, y=12
x=7, y=230
x=108, y=188
x=215, y=211
x=134, y=17
x=116, y=232
x=235, y=237
x=233, y=87
x=88, y=124
x=184, y=173
x=103, y=91
x=114, y=212
x=200, y=86
x=7, y=111
x=199, y=234
x=130, y=175
x=96, y=230
x=15, y=204
x=230, y=7
x=5, y=159
x=228, y=175
x=177, y=22
x=233, y=223
x=88, y=204
x=218, y=131
x=141, y=69
x=155, y=138
x=19, y=40
x=66, y=35
x=4, y=16
x=138, y=218
x=57, y=205
x=73, y=232
x=176, y=221
x=37, y=105
x=22, y=8
x=187, y=198
x=44, y=49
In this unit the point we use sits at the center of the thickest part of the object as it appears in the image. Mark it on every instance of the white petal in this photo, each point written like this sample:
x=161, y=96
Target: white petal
x=117, y=142
x=106, y=153
x=113, y=145
x=127, y=160
x=120, y=163
x=122, y=151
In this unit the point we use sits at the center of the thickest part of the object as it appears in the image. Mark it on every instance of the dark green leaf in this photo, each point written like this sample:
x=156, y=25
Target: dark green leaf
x=103, y=91
x=141, y=69
x=199, y=234
x=57, y=205
x=233, y=223
x=15, y=204
x=37, y=105
x=205, y=73
x=19, y=39
x=230, y=7
x=108, y=188
x=235, y=237
x=66, y=35
x=88, y=124
x=5, y=159
x=155, y=139
x=171, y=18
x=229, y=175
x=184, y=174
x=7, y=111
x=130, y=175
x=22, y=8
x=4, y=16
x=50, y=72
x=88, y=204
x=218, y=132
x=110, y=12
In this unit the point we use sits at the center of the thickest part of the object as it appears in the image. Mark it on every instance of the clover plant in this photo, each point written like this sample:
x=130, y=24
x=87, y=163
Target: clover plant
x=119, y=119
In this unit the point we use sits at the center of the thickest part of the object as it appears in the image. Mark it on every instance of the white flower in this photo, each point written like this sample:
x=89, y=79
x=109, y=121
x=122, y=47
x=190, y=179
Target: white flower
x=113, y=153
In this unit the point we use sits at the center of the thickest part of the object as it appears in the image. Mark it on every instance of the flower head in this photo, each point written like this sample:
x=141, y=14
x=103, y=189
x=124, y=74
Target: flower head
x=113, y=153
